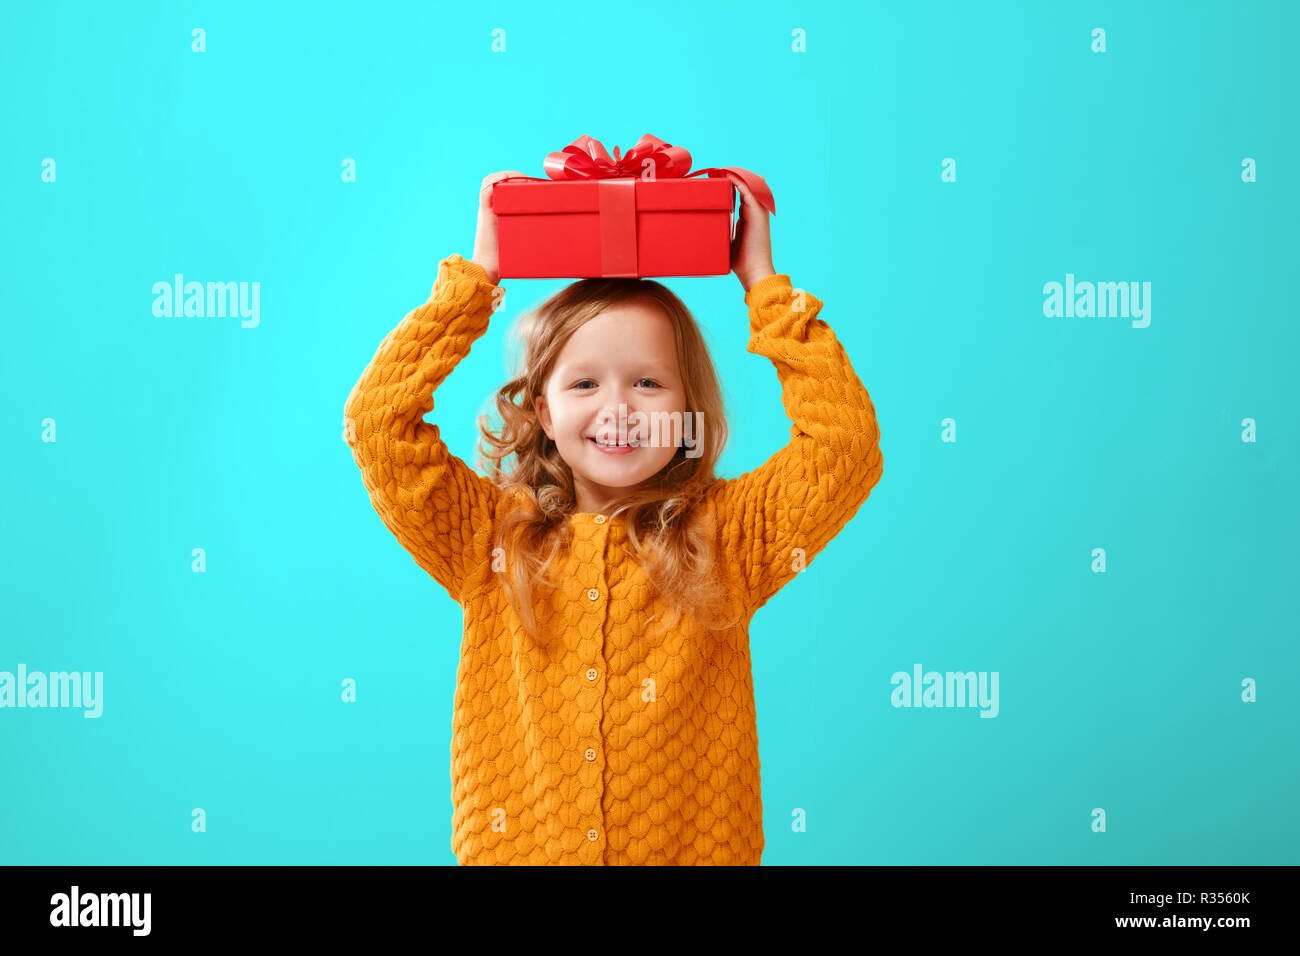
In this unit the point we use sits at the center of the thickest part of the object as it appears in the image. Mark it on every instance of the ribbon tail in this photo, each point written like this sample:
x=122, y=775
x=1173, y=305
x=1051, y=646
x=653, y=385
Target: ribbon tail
x=756, y=183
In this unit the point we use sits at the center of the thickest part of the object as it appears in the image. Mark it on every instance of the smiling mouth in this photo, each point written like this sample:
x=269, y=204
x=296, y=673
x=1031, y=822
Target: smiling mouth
x=601, y=444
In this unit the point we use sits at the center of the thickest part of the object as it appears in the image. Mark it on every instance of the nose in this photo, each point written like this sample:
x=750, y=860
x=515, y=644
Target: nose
x=620, y=395
x=621, y=398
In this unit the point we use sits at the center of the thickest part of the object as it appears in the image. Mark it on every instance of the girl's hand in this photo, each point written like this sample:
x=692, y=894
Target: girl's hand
x=751, y=250
x=485, y=235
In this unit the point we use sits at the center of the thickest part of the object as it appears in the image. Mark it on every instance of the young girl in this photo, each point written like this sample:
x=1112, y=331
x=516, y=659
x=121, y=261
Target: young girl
x=604, y=707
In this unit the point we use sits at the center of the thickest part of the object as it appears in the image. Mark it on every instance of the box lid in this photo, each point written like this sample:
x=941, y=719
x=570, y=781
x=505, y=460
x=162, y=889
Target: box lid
x=584, y=195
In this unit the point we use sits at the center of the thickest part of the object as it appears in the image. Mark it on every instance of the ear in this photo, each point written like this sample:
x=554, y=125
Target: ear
x=543, y=415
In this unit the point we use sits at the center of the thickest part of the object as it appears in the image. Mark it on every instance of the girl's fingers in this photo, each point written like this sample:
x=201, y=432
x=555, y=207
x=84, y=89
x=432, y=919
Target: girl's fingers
x=485, y=191
x=491, y=178
x=748, y=201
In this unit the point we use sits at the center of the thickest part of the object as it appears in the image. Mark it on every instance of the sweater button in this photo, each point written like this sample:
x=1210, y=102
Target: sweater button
x=599, y=519
x=591, y=754
x=593, y=594
x=593, y=835
x=591, y=673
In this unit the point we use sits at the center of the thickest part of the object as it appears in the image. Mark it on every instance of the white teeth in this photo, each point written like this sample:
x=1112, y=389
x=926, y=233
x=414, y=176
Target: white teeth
x=614, y=444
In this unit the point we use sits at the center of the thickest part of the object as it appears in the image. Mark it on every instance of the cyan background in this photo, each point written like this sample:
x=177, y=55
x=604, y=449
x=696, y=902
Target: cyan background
x=1118, y=690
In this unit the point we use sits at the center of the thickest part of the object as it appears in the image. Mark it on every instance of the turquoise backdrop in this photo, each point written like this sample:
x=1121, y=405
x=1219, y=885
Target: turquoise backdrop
x=935, y=166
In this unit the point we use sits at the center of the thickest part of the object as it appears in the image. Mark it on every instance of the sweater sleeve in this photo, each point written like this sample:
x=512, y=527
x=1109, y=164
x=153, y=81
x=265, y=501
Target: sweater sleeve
x=438, y=508
x=776, y=518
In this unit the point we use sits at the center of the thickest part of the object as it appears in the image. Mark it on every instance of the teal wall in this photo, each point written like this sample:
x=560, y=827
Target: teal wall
x=1119, y=690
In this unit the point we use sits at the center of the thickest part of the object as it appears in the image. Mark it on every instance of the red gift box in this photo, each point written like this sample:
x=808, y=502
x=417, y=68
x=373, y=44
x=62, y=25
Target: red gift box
x=637, y=215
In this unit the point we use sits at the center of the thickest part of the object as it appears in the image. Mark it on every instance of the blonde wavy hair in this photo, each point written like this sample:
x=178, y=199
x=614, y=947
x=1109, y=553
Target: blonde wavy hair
x=668, y=533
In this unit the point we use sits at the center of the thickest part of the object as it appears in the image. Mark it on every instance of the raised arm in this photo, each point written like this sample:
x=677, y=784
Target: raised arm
x=438, y=507
x=775, y=519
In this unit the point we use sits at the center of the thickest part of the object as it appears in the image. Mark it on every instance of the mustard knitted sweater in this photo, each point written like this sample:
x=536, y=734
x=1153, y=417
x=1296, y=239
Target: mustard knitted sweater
x=606, y=744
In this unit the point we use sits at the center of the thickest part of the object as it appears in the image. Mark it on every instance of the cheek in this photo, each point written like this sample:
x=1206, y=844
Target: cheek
x=561, y=419
x=669, y=429
x=575, y=428
x=662, y=457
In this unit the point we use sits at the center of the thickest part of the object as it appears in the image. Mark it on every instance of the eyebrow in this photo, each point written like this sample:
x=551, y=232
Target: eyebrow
x=565, y=371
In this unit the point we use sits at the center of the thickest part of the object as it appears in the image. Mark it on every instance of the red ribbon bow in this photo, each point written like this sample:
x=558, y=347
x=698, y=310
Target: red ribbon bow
x=586, y=158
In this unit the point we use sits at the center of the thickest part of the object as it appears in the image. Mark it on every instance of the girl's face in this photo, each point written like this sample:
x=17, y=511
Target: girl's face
x=616, y=379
